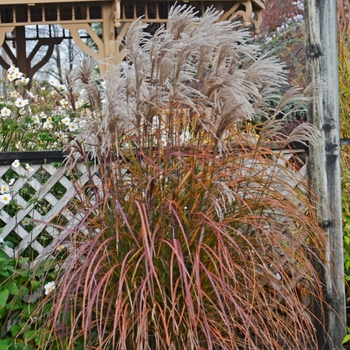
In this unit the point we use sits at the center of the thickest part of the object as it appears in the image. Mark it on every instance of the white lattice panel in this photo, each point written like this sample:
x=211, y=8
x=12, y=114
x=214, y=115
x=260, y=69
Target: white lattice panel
x=40, y=196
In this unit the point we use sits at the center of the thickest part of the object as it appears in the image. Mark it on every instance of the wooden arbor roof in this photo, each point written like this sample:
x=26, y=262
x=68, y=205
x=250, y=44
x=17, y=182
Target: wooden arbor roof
x=114, y=15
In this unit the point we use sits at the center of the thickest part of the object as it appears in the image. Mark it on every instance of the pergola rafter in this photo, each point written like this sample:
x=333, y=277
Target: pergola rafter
x=115, y=16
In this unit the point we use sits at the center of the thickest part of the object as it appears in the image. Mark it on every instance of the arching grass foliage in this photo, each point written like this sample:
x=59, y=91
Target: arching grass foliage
x=195, y=236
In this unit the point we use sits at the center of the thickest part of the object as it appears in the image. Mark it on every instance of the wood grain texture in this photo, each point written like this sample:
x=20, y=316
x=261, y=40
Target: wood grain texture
x=322, y=69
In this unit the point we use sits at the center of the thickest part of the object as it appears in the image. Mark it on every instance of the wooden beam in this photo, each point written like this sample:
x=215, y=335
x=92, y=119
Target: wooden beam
x=34, y=2
x=260, y=3
x=322, y=66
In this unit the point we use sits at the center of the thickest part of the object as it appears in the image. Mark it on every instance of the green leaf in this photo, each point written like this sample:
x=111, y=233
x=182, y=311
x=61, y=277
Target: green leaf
x=4, y=258
x=29, y=335
x=35, y=284
x=16, y=346
x=3, y=344
x=5, y=273
x=4, y=294
x=23, y=260
x=27, y=312
x=12, y=287
x=346, y=338
x=10, y=244
x=15, y=329
x=9, y=268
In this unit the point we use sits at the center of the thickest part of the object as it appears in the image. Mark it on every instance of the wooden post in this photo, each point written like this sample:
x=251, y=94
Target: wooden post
x=322, y=67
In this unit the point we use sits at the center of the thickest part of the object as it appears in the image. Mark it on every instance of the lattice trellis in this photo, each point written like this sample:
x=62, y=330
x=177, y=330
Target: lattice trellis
x=41, y=196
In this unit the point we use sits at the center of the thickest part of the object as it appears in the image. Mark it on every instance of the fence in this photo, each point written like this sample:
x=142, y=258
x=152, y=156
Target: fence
x=40, y=193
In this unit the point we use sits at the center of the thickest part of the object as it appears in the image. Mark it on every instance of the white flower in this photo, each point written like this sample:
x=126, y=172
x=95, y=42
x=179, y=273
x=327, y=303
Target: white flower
x=16, y=163
x=18, y=145
x=79, y=103
x=20, y=102
x=11, y=77
x=24, y=80
x=42, y=115
x=15, y=70
x=5, y=198
x=64, y=103
x=14, y=94
x=73, y=127
x=36, y=119
x=61, y=87
x=26, y=221
x=49, y=287
x=49, y=119
x=29, y=168
x=11, y=182
x=60, y=248
x=4, y=189
x=22, y=111
x=52, y=82
x=66, y=120
x=5, y=112
x=47, y=125
x=18, y=74
x=11, y=69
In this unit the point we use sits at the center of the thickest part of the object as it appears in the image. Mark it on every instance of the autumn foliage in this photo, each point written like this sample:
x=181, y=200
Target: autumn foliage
x=282, y=33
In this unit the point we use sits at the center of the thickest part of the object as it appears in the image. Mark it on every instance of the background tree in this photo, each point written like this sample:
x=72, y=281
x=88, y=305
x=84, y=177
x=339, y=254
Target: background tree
x=62, y=57
x=282, y=33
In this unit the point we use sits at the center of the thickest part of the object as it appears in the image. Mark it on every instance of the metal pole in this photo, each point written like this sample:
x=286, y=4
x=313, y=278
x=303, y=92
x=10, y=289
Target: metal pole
x=322, y=67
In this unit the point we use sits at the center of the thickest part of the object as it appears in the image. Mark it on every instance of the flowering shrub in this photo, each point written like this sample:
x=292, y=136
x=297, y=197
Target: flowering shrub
x=40, y=118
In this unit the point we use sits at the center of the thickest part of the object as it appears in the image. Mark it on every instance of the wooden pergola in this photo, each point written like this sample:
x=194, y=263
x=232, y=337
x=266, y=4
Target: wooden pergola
x=115, y=17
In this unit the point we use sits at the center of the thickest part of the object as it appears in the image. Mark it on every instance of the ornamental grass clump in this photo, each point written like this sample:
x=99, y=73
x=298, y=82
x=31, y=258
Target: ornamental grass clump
x=195, y=236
